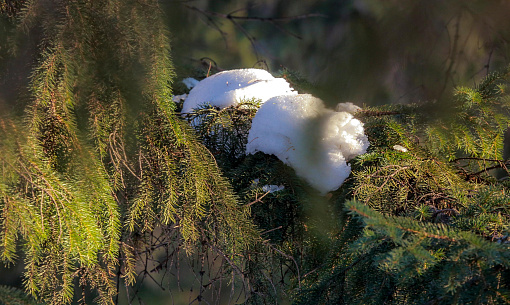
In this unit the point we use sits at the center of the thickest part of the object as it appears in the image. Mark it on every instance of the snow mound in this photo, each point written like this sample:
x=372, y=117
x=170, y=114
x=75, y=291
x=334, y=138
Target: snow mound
x=317, y=142
x=228, y=88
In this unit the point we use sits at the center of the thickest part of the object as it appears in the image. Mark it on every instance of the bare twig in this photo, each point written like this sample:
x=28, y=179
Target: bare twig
x=453, y=211
x=257, y=199
x=235, y=19
x=274, y=229
x=289, y=257
x=500, y=164
x=251, y=18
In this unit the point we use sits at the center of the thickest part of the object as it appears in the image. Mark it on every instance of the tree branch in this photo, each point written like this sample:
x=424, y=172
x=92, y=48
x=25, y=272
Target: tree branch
x=251, y=18
x=234, y=19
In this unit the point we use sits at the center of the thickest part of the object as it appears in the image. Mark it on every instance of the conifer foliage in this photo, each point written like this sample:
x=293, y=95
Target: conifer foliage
x=427, y=224
x=99, y=159
x=99, y=177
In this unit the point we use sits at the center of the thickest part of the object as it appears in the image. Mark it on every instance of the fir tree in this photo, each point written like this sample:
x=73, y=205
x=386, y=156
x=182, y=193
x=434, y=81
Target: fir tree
x=429, y=224
x=98, y=161
x=104, y=185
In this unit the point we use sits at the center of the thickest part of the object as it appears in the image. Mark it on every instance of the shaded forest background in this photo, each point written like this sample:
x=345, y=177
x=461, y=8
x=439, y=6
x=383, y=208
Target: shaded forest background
x=364, y=51
x=373, y=52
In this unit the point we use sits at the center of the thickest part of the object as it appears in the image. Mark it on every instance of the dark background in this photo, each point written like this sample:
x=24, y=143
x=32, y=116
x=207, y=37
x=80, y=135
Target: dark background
x=365, y=51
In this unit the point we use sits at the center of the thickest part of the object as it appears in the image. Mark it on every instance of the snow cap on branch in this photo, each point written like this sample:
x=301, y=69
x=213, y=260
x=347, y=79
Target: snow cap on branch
x=317, y=142
x=228, y=88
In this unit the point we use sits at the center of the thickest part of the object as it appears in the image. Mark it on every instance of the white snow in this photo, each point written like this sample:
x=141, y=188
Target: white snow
x=179, y=98
x=347, y=107
x=228, y=88
x=190, y=82
x=317, y=142
x=271, y=188
x=399, y=148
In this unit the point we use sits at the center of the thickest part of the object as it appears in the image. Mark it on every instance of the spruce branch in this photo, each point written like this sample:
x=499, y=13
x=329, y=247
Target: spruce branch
x=373, y=219
x=13, y=296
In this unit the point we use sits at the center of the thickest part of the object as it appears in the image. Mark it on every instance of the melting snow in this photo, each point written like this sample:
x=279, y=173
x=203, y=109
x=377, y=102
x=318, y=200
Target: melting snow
x=399, y=148
x=271, y=188
x=317, y=142
x=190, y=82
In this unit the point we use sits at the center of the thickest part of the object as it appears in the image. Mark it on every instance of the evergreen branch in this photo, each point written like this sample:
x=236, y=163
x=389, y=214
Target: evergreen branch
x=372, y=216
x=13, y=296
x=387, y=178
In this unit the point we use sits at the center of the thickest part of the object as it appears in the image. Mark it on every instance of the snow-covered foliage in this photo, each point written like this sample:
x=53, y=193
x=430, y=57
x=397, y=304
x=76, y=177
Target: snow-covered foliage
x=315, y=141
x=297, y=128
x=228, y=88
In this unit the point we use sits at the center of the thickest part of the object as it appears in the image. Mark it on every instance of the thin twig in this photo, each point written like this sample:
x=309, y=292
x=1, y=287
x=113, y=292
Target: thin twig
x=234, y=18
x=258, y=199
x=502, y=165
x=478, y=159
x=289, y=257
x=268, y=231
x=264, y=19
